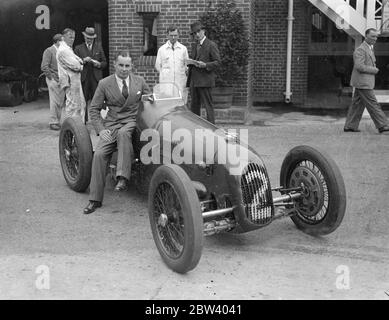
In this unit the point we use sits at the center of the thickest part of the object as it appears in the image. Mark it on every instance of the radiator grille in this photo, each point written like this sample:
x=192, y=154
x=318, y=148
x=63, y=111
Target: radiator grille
x=256, y=192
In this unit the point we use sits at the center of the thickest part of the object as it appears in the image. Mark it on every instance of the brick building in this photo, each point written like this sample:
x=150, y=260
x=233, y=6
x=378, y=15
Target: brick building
x=323, y=39
x=266, y=25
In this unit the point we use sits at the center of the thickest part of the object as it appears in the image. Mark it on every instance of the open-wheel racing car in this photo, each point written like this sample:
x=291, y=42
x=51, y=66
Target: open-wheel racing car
x=198, y=188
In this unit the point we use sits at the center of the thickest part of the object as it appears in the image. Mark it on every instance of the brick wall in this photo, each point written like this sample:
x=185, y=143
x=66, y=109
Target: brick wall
x=270, y=43
x=241, y=86
x=126, y=31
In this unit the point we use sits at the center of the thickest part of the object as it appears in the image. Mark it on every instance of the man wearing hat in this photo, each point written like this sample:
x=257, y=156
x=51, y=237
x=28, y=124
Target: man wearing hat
x=49, y=67
x=201, y=78
x=95, y=61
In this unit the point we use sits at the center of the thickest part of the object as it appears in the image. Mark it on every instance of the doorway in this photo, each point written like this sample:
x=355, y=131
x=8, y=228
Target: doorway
x=22, y=43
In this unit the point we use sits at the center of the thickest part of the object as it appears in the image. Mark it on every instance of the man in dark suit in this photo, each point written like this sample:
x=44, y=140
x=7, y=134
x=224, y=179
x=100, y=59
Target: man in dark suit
x=95, y=61
x=121, y=93
x=201, y=78
x=363, y=81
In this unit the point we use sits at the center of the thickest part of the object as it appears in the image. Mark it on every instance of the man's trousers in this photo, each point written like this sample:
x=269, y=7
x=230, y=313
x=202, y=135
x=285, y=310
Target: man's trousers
x=202, y=96
x=89, y=86
x=365, y=98
x=57, y=101
x=75, y=101
x=102, y=156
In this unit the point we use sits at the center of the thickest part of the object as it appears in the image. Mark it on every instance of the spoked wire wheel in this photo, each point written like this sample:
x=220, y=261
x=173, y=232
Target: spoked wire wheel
x=175, y=218
x=313, y=206
x=75, y=153
x=169, y=220
x=71, y=156
x=321, y=208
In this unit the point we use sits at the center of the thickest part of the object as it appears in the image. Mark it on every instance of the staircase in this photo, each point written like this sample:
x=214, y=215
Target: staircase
x=353, y=16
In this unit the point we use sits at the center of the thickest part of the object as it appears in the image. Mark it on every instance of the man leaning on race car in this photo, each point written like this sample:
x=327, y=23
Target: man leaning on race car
x=122, y=94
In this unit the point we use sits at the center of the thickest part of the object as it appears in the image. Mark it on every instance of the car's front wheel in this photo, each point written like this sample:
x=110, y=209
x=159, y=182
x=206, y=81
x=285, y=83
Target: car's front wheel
x=175, y=218
x=321, y=208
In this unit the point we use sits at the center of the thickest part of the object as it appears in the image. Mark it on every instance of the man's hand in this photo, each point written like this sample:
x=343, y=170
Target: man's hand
x=201, y=65
x=106, y=135
x=97, y=64
x=87, y=59
x=377, y=70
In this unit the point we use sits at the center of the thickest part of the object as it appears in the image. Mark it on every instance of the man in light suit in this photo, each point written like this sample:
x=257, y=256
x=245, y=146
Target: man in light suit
x=94, y=60
x=363, y=80
x=121, y=92
x=69, y=71
x=201, y=78
x=49, y=67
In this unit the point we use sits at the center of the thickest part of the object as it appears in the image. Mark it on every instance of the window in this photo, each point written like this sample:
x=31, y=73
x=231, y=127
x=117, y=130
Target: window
x=323, y=30
x=319, y=31
x=150, y=43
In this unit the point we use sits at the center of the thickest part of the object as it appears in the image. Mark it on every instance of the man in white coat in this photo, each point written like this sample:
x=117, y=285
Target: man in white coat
x=171, y=62
x=69, y=72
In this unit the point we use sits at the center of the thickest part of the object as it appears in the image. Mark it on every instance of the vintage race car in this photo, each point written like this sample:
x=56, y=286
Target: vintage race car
x=202, y=180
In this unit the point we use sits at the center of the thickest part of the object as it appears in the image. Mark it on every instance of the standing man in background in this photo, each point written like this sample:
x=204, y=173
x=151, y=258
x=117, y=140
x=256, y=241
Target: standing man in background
x=363, y=80
x=201, y=78
x=171, y=61
x=69, y=71
x=94, y=60
x=49, y=67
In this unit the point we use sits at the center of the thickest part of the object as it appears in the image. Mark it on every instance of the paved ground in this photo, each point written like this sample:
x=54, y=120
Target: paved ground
x=111, y=254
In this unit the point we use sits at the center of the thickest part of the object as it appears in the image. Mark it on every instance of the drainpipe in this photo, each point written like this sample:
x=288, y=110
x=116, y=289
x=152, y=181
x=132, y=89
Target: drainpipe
x=288, y=93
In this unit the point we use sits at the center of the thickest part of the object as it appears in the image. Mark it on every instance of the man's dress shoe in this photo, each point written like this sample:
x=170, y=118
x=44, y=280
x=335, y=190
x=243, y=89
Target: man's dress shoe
x=351, y=130
x=121, y=185
x=383, y=129
x=92, y=206
x=55, y=126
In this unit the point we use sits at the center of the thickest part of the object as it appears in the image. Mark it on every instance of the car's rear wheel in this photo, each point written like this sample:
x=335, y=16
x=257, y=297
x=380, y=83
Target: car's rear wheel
x=321, y=208
x=75, y=154
x=175, y=218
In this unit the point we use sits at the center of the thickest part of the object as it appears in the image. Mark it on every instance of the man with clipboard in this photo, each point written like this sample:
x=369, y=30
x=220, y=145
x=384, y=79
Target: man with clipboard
x=204, y=59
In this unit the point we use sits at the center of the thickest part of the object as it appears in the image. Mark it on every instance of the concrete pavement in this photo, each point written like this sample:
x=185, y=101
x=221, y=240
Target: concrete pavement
x=111, y=254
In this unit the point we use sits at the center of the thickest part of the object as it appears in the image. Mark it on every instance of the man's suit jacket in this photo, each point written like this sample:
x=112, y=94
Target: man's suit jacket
x=49, y=63
x=364, y=71
x=121, y=111
x=97, y=53
x=208, y=53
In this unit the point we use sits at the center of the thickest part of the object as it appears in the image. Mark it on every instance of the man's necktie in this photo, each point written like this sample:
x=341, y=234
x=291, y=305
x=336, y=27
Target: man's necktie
x=125, y=89
x=198, y=50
